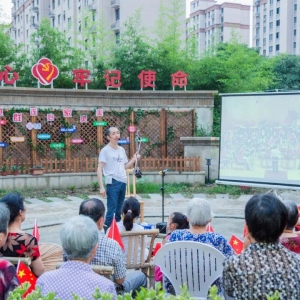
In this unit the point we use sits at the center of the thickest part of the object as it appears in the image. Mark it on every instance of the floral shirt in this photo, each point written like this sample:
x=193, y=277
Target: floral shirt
x=262, y=269
x=21, y=245
x=213, y=239
x=8, y=279
x=291, y=243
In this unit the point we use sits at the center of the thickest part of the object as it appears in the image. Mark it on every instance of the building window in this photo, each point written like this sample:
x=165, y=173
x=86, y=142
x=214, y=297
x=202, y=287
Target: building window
x=257, y=43
x=264, y=52
x=278, y=10
x=277, y=47
x=294, y=44
x=85, y=44
x=295, y=32
x=222, y=28
x=58, y=19
x=26, y=18
x=58, y=2
x=70, y=41
x=117, y=14
x=64, y=16
x=271, y=37
x=53, y=4
x=53, y=22
x=27, y=33
x=271, y=49
x=221, y=38
x=117, y=37
x=271, y=1
x=278, y=23
x=271, y=13
x=277, y=35
x=222, y=19
x=271, y=25
x=38, y=17
x=79, y=26
x=222, y=10
x=295, y=19
x=94, y=17
x=264, y=29
x=264, y=41
x=295, y=6
x=69, y=3
x=69, y=22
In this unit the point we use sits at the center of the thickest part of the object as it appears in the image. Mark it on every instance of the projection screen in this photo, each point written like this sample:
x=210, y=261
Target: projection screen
x=260, y=139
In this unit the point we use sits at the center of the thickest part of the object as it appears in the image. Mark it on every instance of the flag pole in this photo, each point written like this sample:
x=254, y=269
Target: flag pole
x=18, y=266
x=114, y=226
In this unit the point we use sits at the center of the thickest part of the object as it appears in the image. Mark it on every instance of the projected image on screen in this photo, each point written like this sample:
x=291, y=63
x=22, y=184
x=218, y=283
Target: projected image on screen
x=260, y=138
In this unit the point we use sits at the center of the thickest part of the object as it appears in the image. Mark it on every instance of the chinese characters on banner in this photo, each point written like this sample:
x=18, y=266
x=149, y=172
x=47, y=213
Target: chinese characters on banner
x=179, y=79
x=17, y=117
x=67, y=112
x=147, y=79
x=113, y=79
x=50, y=117
x=81, y=76
x=33, y=111
x=83, y=119
x=99, y=112
x=8, y=77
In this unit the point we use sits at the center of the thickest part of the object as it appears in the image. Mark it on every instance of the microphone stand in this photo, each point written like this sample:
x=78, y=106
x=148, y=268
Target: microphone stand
x=163, y=174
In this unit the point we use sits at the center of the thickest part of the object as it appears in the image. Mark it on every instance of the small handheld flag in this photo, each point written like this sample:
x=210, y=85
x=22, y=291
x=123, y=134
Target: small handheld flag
x=25, y=275
x=114, y=233
x=236, y=244
x=209, y=228
x=35, y=231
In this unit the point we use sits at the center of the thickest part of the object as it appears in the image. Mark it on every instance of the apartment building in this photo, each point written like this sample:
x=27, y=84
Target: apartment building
x=213, y=22
x=276, y=26
x=69, y=16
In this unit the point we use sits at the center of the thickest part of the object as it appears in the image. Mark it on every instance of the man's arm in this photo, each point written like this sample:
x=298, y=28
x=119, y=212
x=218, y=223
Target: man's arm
x=100, y=178
x=130, y=163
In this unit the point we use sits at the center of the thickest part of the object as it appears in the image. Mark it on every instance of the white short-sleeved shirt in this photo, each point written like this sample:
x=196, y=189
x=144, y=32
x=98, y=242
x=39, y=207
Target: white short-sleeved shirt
x=115, y=160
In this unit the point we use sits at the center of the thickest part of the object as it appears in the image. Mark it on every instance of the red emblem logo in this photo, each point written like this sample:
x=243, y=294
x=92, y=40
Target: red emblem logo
x=45, y=71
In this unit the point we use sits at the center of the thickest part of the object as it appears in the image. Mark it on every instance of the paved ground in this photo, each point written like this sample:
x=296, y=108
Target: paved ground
x=228, y=212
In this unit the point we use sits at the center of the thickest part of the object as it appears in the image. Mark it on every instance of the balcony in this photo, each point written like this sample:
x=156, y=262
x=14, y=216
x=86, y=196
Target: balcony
x=257, y=14
x=116, y=26
x=35, y=9
x=257, y=25
x=115, y=3
x=92, y=7
x=51, y=15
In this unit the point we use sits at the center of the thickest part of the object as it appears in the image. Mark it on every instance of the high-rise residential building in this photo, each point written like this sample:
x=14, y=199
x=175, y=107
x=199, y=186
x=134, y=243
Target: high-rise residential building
x=275, y=26
x=70, y=17
x=214, y=22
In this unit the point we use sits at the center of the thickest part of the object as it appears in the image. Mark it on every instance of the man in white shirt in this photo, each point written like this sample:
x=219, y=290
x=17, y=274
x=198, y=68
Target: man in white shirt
x=112, y=164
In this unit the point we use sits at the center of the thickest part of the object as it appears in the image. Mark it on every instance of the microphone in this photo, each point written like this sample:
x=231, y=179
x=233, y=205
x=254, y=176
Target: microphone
x=163, y=171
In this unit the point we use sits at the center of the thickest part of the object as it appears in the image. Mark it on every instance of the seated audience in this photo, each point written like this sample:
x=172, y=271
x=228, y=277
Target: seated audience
x=8, y=279
x=289, y=238
x=19, y=243
x=176, y=220
x=199, y=214
x=265, y=265
x=109, y=252
x=130, y=213
x=79, y=239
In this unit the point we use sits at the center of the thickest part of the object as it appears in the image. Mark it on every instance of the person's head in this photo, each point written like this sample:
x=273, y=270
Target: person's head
x=95, y=209
x=79, y=238
x=15, y=204
x=131, y=210
x=199, y=212
x=4, y=219
x=266, y=218
x=292, y=214
x=177, y=220
x=112, y=134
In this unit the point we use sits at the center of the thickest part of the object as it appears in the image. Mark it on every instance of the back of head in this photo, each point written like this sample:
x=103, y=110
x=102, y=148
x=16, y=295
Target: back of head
x=131, y=210
x=93, y=208
x=15, y=203
x=292, y=214
x=266, y=218
x=79, y=236
x=180, y=220
x=4, y=218
x=199, y=212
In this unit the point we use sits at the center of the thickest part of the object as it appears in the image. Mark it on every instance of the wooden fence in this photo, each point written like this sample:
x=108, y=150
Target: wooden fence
x=82, y=165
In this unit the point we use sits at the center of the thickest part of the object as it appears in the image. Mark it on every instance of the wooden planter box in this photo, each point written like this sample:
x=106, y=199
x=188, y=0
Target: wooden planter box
x=37, y=171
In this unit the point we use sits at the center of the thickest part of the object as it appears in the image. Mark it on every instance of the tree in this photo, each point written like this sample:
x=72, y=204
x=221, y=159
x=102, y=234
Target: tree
x=49, y=42
x=7, y=49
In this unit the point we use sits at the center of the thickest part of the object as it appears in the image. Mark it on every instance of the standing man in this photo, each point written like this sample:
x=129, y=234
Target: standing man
x=113, y=163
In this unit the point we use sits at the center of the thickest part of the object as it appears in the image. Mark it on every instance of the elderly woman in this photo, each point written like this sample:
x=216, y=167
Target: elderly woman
x=19, y=243
x=199, y=214
x=265, y=265
x=8, y=280
x=289, y=238
x=79, y=238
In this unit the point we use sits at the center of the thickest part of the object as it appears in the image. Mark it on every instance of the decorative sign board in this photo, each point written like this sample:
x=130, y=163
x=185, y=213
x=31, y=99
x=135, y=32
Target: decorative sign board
x=43, y=136
x=37, y=126
x=132, y=128
x=123, y=142
x=77, y=141
x=57, y=145
x=142, y=139
x=17, y=139
x=3, y=122
x=99, y=123
x=3, y=145
x=69, y=129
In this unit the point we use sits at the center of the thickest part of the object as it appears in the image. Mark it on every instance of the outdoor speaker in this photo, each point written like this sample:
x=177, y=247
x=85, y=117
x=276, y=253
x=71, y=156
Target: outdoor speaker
x=162, y=226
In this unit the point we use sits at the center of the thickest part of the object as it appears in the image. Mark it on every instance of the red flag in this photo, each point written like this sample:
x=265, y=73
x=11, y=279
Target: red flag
x=236, y=244
x=25, y=275
x=35, y=231
x=209, y=228
x=114, y=233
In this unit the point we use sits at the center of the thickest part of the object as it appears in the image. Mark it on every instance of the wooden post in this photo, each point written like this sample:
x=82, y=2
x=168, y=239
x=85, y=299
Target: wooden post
x=163, y=128
x=34, y=142
x=68, y=142
x=132, y=149
x=99, y=134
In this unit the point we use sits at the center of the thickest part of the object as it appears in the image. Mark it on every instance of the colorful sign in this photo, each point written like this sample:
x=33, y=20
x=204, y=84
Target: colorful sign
x=3, y=122
x=124, y=141
x=83, y=119
x=57, y=145
x=43, y=136
x=33, y=111
x=3, y=145
x=69, y=129
x=132, y=128
x=77, y=141
x=99, y=123
x=36, y=126
x=50, y=117
x=9, y=77
x=67, y=112
x=17, y=139
x=17, y=117
x=81, y=76
x=142, y=139
x=99, y=112
x=45, y=71
x=113, y=79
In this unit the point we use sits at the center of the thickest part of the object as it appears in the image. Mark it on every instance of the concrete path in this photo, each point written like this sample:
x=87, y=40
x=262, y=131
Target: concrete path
x=228, y=220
